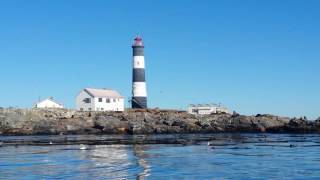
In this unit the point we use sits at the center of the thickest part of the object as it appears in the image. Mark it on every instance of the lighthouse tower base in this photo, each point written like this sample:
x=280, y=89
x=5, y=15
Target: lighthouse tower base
x=139, y=102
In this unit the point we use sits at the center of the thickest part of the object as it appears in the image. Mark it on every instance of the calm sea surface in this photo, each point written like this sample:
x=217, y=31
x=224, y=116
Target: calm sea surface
x=206, y=156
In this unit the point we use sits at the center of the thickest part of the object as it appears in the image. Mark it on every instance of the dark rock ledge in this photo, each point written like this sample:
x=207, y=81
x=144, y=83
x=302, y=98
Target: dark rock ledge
x=150, y=121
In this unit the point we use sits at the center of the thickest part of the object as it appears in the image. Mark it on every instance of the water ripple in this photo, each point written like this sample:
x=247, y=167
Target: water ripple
x=228, y=156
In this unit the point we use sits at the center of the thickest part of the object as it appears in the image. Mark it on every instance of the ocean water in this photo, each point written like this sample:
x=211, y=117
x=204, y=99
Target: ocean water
x=204, y=156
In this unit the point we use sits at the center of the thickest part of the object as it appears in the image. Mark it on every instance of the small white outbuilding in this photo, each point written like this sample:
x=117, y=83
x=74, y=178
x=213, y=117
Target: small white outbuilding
x=202, y=109
x=48, y=103
x=91, y=99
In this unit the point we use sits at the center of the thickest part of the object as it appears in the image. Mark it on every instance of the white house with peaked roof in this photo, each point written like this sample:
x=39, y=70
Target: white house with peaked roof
x=90, y=99
x=48, y=103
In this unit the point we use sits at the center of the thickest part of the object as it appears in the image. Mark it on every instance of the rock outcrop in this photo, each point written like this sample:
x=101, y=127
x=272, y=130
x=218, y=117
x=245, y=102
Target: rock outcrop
x=144, y=121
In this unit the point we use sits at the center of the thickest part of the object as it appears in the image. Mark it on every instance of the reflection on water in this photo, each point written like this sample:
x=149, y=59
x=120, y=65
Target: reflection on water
x=116, y=161
x=139, y=152
x=113, y=159
x=225, y=156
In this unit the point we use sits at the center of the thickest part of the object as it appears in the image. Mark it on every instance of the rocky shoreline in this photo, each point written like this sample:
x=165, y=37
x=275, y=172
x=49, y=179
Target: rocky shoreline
x=143, y=121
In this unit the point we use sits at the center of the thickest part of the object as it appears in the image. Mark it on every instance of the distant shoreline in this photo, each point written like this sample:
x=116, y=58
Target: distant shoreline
x=142, y=121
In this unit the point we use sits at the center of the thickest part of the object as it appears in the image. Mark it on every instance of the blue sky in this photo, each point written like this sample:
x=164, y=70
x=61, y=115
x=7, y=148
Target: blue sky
x=253, y=56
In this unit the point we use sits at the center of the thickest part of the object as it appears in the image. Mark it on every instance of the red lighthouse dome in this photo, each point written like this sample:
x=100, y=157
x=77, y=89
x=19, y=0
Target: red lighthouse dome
x=138, y=41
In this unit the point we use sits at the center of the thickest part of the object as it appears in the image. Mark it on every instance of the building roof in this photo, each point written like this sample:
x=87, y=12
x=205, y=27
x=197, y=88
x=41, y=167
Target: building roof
x=206, y=105
x=49, y=99
x=103, y=93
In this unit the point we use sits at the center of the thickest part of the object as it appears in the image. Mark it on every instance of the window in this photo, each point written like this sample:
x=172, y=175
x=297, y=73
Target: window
x=89, y=109
x=102, y=109
x=81, y=109
x=107, y=100
x=114, y=100
x=100, y=99
x=87, y=100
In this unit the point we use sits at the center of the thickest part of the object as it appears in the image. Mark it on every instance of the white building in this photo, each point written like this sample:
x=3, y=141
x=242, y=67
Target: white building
x=48, y=103
x=201, y=109
x=90, y=99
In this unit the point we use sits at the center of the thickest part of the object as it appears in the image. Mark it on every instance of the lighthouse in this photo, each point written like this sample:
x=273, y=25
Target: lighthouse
x=139, y=88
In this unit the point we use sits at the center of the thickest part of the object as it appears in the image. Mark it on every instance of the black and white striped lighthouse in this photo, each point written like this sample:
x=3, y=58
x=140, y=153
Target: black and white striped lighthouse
x=139, y=88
